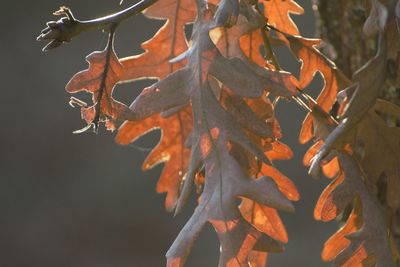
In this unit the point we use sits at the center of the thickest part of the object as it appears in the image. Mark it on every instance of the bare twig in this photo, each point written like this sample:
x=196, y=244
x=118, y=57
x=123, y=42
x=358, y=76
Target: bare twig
x=267, y=45
x=63, y=30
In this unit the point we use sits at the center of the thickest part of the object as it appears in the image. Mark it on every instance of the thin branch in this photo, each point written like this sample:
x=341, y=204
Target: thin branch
x=63, y=30
x=267, y=44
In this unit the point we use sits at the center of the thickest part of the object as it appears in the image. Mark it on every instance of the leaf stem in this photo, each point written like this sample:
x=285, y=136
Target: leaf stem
x=267, y=44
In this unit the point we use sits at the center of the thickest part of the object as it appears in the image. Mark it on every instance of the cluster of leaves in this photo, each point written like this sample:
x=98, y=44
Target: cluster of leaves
x=214, y=104
x=361, y=155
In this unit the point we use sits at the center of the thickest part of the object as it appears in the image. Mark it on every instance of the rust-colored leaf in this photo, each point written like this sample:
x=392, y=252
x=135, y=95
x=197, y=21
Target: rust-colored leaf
x=338, y=242
x=99, y=80
x=278, y=13
x=369, y=80
x=364, y=239
x=168, y=43
x=314, y=61
x=215, y=130
x=218, y=128
x=170, y=150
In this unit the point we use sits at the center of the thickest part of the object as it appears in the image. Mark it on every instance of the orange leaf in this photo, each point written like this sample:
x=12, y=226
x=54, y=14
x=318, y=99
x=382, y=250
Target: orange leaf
x=170, y=150
x=168, y=43
x=312, y=62
x=278, y=13
x=338, y=242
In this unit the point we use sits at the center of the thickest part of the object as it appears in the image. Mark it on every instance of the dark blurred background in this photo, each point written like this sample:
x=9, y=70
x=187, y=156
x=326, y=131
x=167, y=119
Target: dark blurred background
x=82, y=200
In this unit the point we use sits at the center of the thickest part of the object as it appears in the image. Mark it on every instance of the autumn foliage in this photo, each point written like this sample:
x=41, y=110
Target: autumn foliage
x=214, y=105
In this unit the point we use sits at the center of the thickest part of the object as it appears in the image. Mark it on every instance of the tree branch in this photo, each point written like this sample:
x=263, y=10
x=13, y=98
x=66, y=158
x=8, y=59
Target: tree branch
x=63, y=30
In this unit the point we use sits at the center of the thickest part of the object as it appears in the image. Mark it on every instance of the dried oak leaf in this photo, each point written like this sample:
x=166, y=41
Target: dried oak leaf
x=263, y=218
x=168, y=43
x=224, y=182
x=370, y=242
x=99, y=80
x=213, y=129
x=368, y=82
x=379, y=146
x=231, y=43
x=363, y=240
x=314, y=61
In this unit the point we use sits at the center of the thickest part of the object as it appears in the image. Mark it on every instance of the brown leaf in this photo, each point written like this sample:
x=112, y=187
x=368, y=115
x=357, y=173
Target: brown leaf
x=186, y=104
x=379, y=146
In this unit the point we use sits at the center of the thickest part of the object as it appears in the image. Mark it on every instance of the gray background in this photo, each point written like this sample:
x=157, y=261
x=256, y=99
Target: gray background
x=82, y=200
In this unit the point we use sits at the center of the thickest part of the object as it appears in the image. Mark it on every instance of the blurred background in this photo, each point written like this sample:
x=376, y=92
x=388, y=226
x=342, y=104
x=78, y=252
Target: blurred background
x=83, y=201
